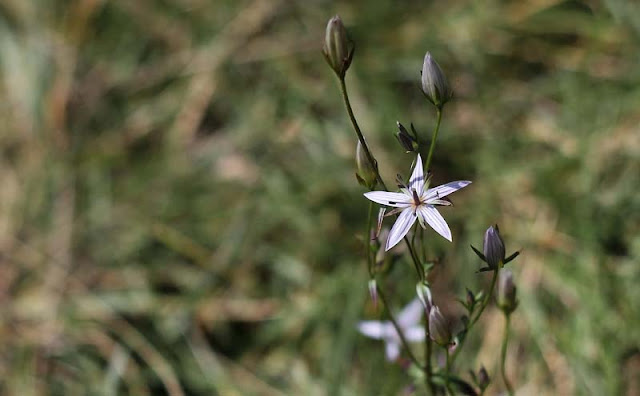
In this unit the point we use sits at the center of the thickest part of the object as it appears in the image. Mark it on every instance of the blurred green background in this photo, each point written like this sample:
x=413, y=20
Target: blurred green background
x=179, y=213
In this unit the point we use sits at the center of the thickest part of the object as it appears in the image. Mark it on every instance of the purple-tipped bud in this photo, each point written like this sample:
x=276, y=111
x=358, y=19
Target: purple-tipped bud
x=470, y=299
x=483, y=378
x=424, y=294
x=366, y=173
x=337, y=49
x=506, y=292
x=373, y=292
x=434, y=83
x=493, y=247
x=408, y=142
x=439, y=327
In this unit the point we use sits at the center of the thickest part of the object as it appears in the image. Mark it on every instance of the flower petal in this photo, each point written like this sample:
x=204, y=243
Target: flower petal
x=392, y=350
x=373, y=328
x=394, y=199
x=414, y=334
x=400, y=228
x=416, y=182
x=431, y=215
x=411, y=314
x=445, y=189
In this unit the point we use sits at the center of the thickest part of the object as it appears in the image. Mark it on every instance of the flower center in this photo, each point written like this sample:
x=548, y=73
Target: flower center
x=416, y=198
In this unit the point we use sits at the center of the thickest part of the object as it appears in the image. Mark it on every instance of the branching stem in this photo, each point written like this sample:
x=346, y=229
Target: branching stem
x=374, y=165
x=474, y=319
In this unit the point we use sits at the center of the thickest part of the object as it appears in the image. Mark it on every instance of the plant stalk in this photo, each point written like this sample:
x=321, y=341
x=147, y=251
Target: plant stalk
x=503, y=355
x=447, y=372
x=474, y=319
x=434, y=137
x=374, y=165
x=428, y=370
x=347, y=103
x=370, y=259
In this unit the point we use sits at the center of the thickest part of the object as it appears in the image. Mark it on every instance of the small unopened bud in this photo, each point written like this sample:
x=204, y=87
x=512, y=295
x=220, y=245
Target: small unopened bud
x=439, y=327
x=408, y=142
x=381, y=213
x=483, y=378
x=366, y=173
x=506, y=292
x=434, y=83
x=470, y=299
x=337, y=49
x=424, y=294
x=493, y=247
x=373, y=292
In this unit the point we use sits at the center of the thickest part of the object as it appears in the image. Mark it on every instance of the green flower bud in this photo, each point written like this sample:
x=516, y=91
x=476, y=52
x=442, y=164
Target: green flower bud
x=439, y=327
x=506, y=292
x=366, y=173
x=373, y=292
x=434, y=83
x=494, y=250
x=424, y=294
x=337, y=49
x=493, y=247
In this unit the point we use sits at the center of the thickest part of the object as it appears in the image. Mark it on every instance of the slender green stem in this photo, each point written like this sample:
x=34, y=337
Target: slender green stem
x=423, y=246
x=397, y=327
x=486, y=299
x=428, y=370
x=434, y=137
x=474, y=319
x=413, y=238
x=416, y=260
x=365, y=147
x=374, y=165
x=367, y=235
x=447, y=372
x=503, y=355
x=414, y=251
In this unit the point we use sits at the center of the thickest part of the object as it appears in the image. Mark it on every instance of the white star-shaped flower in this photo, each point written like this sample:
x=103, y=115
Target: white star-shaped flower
x=417, y=200
x=409, y=323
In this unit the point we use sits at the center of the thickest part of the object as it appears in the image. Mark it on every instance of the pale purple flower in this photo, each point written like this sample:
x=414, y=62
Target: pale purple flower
x=409, y=322
x=417, y=201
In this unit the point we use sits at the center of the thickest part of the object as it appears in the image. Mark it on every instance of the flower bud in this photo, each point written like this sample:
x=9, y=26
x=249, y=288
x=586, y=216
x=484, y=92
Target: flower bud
x=373, y=292
x=424, y=294
x=439, y=327
x=366, y=173
x=337, y=49
x=483, y=378
x=408, y=142
x=506, y=292
x=470, y=299
x=493, y=247
x=434, y=83
x=381, y=213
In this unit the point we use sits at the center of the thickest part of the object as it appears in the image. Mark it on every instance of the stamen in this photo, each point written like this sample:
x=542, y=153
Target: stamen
x=416, y=198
